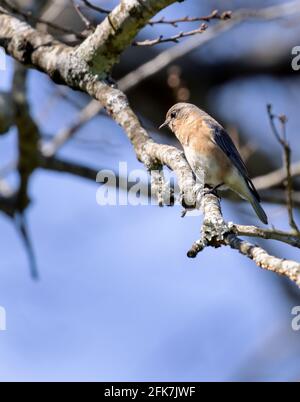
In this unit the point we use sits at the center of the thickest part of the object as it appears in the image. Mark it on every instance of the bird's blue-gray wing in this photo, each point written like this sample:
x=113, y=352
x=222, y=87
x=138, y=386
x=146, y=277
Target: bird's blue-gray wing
x=223, y=140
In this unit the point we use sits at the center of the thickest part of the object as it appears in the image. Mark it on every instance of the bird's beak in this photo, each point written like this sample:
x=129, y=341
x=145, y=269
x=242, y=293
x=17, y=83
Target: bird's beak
x=164, y=124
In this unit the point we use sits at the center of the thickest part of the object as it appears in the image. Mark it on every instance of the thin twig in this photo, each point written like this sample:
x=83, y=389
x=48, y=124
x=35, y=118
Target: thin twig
x=83, y=18
x=96, y=8
x=174, y=38
x=282, y=140
x=28, y=16
x=22, y=228
x=214, y=15
x=268, y=13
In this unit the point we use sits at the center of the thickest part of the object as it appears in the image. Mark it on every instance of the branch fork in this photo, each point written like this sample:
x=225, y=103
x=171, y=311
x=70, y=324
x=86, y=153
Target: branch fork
x=216, y=232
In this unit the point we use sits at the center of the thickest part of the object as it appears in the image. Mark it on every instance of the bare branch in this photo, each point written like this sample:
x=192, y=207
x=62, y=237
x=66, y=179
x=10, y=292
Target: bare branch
x=30, y=17
x=102, y=49
x=214, y=15
x=288, y=268
x=96, y=8
x=6, y=112
x=276, y=178
x=278, y=196
x=28, y=135
x=270, y=234
x=23, y=230
x=174, y=38
x=86, y=114
x=236, y=17
x=215, y=232
x=282, y=140
x=83, y=18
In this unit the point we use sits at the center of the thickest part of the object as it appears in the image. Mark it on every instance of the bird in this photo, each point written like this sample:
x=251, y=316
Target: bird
x=211, y=153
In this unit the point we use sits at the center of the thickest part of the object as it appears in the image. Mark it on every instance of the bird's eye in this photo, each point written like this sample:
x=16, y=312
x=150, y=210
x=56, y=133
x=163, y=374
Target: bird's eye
x=173, y=115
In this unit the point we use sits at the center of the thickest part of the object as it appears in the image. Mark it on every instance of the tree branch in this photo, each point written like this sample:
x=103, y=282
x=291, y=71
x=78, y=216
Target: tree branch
x=276, y=178
x=282, y=140
x=270, y=234
x=102, y=49
x=175, y=38
x=215, y=232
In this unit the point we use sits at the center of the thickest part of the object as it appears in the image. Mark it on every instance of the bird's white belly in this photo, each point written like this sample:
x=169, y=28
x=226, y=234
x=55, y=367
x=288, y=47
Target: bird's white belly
x=205, y=168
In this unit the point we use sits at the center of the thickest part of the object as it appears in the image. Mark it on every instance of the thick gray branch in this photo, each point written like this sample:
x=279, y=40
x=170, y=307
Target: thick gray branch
x=147, y=151
x=102, y=49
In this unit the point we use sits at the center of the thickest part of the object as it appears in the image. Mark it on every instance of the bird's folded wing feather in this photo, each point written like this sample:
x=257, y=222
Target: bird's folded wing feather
x=223, y=140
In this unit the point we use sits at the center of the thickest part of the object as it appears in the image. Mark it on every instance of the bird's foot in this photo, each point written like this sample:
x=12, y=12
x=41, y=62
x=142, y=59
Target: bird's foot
x=200, y=192
x=213, y=190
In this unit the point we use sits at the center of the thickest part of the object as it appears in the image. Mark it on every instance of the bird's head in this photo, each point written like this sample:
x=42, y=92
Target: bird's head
x=178, y=114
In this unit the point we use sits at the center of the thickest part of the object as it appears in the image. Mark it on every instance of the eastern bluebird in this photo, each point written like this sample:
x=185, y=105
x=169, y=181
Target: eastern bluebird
x=211, y=153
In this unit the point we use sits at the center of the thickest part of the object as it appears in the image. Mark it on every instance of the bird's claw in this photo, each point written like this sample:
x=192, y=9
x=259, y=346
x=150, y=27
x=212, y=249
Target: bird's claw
x=212, y=191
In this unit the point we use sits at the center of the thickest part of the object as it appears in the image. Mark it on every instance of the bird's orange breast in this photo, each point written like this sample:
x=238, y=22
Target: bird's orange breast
x=197, y=139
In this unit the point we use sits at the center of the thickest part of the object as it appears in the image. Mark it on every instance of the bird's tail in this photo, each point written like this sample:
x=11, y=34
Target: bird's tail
x=245, y=188
x=255, y=202
x=258, y=209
